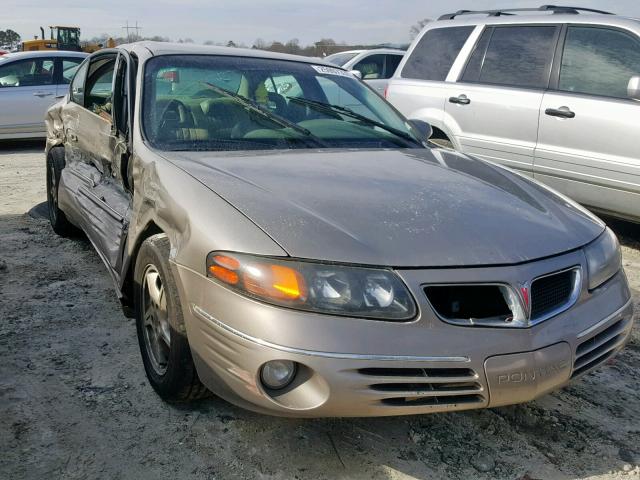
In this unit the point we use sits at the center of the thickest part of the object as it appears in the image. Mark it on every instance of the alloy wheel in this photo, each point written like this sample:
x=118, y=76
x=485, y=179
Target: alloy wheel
x=157, y=331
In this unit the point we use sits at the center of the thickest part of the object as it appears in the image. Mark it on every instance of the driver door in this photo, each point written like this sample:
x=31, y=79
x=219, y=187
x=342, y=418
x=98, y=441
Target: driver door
x=97, y=150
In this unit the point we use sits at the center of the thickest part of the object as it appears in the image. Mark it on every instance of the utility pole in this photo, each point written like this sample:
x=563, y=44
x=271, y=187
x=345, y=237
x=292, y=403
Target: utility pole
x=128, y=29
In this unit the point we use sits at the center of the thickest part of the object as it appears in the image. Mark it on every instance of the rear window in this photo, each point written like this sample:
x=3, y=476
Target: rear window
x=341, y=59
x=514, y=56
x=435, y=53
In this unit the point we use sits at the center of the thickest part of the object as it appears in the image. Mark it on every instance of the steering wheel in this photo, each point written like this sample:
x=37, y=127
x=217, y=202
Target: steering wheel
x=173, y=114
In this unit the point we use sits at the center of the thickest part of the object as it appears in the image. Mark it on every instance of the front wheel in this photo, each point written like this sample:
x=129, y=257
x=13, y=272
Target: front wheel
x=161, y=332
x=59, y=222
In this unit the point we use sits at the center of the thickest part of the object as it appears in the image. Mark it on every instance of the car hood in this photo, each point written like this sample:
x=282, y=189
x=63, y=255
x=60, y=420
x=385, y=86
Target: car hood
x=401, y=208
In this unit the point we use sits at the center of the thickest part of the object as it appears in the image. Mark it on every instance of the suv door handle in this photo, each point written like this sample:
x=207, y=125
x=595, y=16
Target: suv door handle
x=42, y=94
x=460, y=100
x=562, y=112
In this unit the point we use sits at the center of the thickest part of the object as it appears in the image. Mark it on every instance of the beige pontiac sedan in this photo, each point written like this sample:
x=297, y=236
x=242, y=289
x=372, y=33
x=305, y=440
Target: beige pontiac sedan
x=287, y=240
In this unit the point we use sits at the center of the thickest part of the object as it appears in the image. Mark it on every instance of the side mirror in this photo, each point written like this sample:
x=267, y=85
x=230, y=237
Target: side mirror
x=356, y=73
x=423, y=128
x=633, y=88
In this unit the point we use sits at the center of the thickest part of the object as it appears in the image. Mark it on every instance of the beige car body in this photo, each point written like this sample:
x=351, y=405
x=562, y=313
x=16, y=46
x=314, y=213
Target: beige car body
x=121, y=191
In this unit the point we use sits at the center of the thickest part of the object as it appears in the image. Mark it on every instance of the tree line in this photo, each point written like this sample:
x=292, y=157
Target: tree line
x=321, y=48
x=9, y=37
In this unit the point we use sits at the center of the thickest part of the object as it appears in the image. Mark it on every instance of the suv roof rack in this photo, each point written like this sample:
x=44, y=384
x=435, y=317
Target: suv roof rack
x=511, y=11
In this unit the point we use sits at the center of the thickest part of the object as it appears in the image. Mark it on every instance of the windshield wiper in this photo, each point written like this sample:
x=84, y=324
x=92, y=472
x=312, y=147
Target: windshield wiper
x=330, y=108
x=254, y=107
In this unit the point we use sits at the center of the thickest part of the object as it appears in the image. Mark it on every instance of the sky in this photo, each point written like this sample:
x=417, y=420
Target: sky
x=244, y=21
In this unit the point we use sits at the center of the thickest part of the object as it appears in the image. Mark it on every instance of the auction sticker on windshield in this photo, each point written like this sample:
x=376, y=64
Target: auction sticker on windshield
x=331, y=71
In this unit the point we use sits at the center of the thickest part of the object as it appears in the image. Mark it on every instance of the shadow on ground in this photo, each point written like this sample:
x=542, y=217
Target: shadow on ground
x=21, y=146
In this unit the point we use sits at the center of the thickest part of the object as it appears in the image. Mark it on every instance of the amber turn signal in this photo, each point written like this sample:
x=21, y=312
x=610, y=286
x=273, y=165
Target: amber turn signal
x=259, y=277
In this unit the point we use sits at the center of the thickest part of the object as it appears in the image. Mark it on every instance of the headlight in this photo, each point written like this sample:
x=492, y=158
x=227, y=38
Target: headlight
x=603, y=258
x=315, y=287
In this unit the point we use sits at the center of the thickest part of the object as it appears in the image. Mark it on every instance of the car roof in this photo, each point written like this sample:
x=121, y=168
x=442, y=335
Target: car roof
x=372, y=50
x=148, y=49
x=355, y=52
x=536, y=17
x=43, y=53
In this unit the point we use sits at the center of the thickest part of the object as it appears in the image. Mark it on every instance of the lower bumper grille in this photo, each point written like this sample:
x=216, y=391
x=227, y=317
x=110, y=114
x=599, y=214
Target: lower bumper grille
x=599, y=348
x=425, y=386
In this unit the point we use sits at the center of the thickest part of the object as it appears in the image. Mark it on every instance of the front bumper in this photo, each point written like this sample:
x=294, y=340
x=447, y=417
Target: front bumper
x=355, y=367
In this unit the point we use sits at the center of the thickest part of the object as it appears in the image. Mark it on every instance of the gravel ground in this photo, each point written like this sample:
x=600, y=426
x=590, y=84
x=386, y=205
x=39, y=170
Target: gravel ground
x=74, y=402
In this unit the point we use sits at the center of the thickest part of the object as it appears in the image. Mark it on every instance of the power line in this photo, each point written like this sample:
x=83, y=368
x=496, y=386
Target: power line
x=128, y=29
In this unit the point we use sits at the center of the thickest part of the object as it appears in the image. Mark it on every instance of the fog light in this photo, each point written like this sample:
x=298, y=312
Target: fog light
x=277, y=374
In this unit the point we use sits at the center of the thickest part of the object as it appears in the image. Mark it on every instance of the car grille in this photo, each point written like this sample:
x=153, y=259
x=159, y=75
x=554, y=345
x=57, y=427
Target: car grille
x=601, y=347
x=551, y=293
x=425, y=386
x=485, y=304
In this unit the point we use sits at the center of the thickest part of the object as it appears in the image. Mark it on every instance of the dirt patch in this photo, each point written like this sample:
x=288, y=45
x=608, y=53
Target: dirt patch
x=74, y=402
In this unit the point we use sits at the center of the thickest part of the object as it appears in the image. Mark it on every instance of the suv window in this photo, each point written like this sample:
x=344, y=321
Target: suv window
x=599, y=61
x=27, y=73
x=517, y=56
x=435, y=53
x=392, y=65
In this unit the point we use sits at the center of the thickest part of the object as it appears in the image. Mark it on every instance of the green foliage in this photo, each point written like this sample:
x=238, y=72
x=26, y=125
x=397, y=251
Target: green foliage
x=9, y=37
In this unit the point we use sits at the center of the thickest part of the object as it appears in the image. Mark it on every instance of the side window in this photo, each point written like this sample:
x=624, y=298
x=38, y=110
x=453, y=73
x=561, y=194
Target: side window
x=599, y=61
x=371, y=67
x=68, y=67
x=77, y=84
x=435, y=53
x=391, y=65
x=99, y=87
x=285, y=85
x=27, y=73
x=518, y=56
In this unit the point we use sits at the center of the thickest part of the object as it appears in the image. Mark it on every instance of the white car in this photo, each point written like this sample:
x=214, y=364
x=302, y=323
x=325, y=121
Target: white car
x=30, y=82
x=376, y=66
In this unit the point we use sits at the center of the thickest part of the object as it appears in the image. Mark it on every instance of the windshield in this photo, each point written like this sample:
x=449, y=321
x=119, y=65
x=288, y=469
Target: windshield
x=341, y=59
x=207, y=102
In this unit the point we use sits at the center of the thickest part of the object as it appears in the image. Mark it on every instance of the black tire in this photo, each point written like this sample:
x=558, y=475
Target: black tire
x=168, y=364
x=59, y=222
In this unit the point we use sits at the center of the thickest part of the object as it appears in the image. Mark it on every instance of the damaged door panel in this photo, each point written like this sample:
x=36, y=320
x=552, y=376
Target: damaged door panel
x=95, y=149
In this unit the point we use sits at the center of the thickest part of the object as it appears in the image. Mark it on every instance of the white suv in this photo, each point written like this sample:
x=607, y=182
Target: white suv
x=552, y=92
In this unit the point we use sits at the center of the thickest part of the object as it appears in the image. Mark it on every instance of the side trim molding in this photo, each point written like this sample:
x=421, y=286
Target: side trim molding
x=604, y=320
x=349, y=356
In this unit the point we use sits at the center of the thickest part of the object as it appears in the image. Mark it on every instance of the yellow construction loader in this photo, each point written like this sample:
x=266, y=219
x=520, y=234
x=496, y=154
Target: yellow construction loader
x=63, y=38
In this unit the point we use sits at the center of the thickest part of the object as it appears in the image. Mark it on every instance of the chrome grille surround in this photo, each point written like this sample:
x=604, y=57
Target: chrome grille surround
x=574, y=277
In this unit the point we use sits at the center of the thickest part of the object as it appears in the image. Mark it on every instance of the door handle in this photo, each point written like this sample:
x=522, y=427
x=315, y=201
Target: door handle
x=562, y=112
x=58, y=97
x=460, y=100
x=42, y=94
